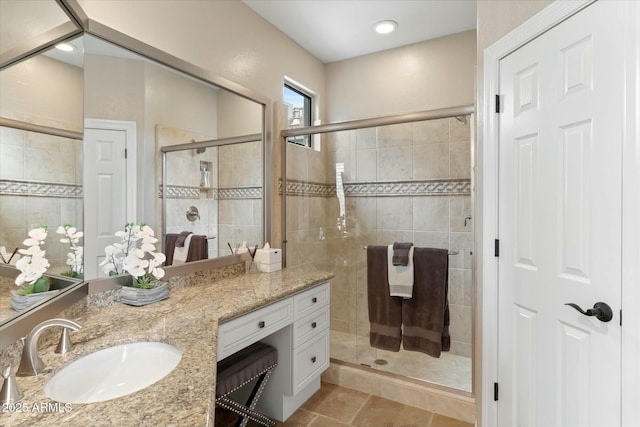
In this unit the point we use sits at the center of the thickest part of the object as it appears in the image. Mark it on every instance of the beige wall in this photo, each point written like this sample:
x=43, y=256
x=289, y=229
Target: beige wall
x=225, y=37
x=423, y=76
x=49, y=93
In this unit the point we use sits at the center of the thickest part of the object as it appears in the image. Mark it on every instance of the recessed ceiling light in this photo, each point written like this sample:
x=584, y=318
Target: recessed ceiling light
x=385, y=27
x=65, y=47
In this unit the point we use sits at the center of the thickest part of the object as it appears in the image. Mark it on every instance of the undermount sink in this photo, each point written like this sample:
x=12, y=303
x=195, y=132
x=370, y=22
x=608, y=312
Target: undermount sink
x=113, y=372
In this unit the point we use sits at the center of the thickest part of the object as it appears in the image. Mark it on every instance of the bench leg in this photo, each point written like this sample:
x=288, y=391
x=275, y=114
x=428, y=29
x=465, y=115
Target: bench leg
x=247, y=412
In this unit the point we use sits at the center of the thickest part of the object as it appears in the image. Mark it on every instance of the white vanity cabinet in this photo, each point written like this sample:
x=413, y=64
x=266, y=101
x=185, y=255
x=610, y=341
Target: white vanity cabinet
x=298, y=327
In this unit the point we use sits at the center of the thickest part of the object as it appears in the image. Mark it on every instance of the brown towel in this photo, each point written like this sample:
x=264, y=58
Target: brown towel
x=385, y=312
x=169, y=247
x=198, y=248
x=181, y=238
x=401, y=253
x=425, y=317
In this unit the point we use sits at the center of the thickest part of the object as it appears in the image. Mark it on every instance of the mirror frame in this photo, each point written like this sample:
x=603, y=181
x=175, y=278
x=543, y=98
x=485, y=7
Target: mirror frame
x=20, y=326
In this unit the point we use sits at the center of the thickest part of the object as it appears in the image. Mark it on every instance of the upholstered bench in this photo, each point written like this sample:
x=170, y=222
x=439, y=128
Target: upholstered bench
x=240, y=369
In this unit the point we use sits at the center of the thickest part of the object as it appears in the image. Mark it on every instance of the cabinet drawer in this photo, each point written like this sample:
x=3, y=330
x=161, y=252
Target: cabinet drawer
x=310, y=326
x=243, y=331
x=310, y=360
x=310, y=300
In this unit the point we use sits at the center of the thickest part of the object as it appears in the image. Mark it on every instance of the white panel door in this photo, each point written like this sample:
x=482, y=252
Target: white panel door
x=105, y=195
x=560, y=224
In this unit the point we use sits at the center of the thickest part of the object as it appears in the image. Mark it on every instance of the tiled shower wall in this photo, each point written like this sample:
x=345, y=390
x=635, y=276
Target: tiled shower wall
x=230, y=206
x=407, y=182
x=184, y=191
x=40, y=183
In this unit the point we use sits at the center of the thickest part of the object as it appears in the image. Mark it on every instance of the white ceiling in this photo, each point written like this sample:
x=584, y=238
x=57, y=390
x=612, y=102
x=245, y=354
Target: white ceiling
x=333, y=30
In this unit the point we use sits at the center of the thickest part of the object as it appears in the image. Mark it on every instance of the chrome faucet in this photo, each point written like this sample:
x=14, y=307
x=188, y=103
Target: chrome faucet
x=31, y=364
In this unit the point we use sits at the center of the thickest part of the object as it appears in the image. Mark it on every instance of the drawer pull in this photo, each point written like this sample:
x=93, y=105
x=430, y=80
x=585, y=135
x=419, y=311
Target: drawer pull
x=314, y=324
x=313, y=359
x=314, y=300
x=261, y=324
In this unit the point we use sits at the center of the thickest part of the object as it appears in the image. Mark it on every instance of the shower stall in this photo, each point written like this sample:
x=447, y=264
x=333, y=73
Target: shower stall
x=374, y=182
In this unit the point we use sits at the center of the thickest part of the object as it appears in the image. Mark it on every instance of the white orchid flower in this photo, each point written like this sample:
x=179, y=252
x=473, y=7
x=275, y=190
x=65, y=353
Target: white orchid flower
x=31, y=242
x=33, y=264
x=136, y=255
x=134, y=266
x=39, y=233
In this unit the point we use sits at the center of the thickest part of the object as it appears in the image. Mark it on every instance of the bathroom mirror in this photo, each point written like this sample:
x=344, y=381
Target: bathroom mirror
x=41, y=152
x=118, y=90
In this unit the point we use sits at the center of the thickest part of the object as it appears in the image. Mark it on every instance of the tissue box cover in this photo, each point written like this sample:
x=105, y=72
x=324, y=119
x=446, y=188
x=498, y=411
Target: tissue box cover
x=269, y=268
x=268, y=256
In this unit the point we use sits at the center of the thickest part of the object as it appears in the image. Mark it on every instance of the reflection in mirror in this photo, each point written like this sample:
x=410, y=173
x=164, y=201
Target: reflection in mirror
x=41, y=154
x=12, y=304
x=25, y=26
x=224, y=183
x=165, y=107
x=49, y=104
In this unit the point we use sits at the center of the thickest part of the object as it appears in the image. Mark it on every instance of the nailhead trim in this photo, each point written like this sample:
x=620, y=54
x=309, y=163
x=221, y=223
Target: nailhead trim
x=248, y=411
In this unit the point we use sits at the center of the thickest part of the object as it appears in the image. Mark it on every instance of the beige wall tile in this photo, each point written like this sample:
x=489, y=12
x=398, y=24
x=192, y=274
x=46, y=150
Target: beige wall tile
x=366, y=138
x=431, y=213
x=395, y=213
x=12, y=162
x=432, y=239
x=460, y=326
x=431, y=161
x=459, y=209
x=459, y=131
x=395, y=135
x=460, y=159
x=431, y=132
x=395, y=163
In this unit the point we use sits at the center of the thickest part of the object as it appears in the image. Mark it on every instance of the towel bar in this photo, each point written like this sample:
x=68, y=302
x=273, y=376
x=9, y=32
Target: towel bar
x=450, y=252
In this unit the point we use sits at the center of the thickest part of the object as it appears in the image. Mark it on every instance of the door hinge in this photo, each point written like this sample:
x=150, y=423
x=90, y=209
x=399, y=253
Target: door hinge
x=620, y=317
x=498, y=104
x=125, y=153
x=495, y=392
x=496, y=247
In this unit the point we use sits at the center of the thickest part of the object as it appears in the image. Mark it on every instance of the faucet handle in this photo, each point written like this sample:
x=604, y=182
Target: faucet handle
x=64, y=345
x=31, y=363
x=10, y=392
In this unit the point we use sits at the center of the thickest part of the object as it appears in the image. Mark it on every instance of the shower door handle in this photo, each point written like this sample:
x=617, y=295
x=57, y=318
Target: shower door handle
x=600, y=310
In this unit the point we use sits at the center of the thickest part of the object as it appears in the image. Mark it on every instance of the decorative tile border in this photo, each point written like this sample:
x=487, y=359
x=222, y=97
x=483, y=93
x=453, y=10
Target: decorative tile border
x=303, y=188
x=40, y=189
x=409, y=188
x=447, y=187
x=235, y=193
x=239, y=193
x=180, y=192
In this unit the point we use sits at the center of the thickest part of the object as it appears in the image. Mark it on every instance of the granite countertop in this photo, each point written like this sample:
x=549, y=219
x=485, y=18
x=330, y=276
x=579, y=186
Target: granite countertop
x=188, y=320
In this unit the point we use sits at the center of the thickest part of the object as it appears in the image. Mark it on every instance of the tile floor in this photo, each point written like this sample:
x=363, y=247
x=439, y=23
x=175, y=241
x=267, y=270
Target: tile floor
x=335, y=406
x=449, y=370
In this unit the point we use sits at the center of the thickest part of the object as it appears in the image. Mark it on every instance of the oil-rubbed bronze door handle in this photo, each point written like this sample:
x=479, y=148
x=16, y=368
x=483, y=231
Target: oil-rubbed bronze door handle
x=600, y=310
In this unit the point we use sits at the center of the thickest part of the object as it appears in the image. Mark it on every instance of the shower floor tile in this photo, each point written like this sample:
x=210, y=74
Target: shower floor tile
x=449, y=370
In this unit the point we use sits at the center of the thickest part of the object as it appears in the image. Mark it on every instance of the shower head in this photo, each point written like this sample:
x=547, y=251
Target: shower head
x=462, y=119
x=199, y=150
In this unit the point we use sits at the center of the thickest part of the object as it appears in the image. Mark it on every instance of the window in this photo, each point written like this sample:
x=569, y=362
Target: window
x=299, y=114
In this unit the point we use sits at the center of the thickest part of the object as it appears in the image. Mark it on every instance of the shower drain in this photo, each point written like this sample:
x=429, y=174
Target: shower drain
x=380, y=362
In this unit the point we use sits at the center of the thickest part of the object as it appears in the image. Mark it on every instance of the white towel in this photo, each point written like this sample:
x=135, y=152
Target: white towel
x=400, y=277
x=180, y=253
